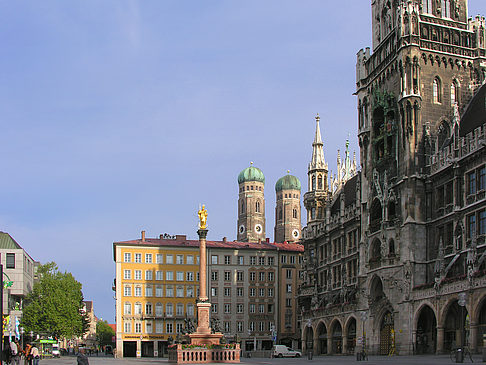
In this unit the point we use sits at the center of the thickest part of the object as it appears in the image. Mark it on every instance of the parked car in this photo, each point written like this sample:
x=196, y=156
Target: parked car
x=284, y=351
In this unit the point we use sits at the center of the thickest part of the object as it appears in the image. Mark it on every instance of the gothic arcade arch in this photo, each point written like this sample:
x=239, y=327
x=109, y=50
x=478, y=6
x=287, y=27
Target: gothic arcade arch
x=321, y=333
x=480, y=320
x=350, y=333
x=426, y=330
x=336, y=337
x=452, y=319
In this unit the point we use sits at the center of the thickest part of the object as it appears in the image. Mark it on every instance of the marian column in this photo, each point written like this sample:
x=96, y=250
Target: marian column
x=203, y=333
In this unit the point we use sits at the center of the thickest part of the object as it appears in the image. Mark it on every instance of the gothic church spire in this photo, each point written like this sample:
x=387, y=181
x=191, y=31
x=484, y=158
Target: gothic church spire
x=318, y=162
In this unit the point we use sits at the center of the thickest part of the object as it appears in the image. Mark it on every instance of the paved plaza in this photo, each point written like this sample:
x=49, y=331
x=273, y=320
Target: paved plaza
x=396, y=360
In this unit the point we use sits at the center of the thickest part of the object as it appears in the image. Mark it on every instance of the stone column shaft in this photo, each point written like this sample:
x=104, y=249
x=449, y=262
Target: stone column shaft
x=203, y=296
x=440, y=340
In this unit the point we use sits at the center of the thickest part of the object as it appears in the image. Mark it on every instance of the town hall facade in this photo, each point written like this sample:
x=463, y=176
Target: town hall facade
x=395, y=252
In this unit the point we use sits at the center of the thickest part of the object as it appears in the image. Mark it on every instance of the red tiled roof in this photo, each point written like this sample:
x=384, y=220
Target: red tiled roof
x=181, y=241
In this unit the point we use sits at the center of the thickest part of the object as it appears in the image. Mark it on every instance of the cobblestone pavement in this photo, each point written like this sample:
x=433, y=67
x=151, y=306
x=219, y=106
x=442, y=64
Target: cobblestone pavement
x=318, y=360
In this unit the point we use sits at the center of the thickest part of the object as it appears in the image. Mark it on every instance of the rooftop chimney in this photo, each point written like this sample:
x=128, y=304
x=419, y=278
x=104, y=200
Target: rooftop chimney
x=143, y=236
x=181, y=237
x=224, y=239
x=267, y=239
x=259, y=241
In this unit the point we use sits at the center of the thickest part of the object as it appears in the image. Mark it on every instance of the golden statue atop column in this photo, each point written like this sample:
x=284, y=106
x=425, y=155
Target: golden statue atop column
x=203, y=217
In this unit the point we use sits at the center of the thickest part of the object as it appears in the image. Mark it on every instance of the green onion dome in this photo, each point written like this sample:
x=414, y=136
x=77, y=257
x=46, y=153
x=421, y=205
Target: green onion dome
x=251, y=174
x=288, y=182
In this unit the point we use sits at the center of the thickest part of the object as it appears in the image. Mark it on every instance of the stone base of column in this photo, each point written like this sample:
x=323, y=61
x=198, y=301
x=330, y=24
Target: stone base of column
x=205, y=338
x=203, y=309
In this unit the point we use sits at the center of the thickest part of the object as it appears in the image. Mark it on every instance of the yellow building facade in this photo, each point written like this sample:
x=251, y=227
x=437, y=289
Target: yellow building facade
x=156, y=290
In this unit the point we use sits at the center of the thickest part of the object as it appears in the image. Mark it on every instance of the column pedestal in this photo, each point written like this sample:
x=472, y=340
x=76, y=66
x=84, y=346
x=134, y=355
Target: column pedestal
x=203, y=335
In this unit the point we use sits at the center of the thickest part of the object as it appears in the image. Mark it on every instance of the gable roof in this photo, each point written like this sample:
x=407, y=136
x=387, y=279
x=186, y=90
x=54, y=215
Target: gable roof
x=475, y=113
x=7, y=242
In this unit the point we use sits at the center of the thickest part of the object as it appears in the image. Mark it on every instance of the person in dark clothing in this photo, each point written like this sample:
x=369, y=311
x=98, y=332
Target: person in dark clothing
x=82, y=358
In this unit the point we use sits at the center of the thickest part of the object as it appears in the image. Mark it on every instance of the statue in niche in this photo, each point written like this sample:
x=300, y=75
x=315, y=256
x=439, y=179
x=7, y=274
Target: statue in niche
x=457, y=9
x=378, y=30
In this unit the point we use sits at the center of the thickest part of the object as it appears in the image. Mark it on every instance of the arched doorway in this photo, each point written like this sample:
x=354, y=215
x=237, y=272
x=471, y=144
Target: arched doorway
x=309, y=338
x=322, y=337
x=426, y=337
x=455, y=322
x=386, y=333
x=351, y=336
x=481, y=324
x=337, y=338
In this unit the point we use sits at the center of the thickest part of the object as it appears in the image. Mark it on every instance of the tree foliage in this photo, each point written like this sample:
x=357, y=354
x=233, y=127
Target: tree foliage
x=104, y=333
x=54, y=307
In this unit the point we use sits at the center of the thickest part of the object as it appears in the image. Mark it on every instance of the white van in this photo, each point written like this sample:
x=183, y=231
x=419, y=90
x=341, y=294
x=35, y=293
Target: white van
x=284, y=351
x=55, y=350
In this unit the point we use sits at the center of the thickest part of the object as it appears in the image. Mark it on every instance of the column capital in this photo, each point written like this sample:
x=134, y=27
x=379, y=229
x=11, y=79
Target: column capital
x=202, y=233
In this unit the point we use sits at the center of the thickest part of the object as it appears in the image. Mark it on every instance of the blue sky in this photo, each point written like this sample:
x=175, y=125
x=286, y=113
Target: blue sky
x=122, y=116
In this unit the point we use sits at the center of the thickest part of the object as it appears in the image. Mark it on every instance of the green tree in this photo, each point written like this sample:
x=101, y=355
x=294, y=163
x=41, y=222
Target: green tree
x=54, y=307
x=104, y=333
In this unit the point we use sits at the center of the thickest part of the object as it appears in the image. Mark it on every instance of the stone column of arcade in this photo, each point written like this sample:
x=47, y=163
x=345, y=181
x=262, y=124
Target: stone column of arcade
x=440, y=340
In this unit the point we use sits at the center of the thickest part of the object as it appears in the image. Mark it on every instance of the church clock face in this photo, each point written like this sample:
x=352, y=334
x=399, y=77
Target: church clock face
x=295, y=233
x=258, y=228
x=241, y=229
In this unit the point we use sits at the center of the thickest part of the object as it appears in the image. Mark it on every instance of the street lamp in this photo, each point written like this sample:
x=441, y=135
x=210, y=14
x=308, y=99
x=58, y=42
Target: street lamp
x=462, y=302
x=364, y=317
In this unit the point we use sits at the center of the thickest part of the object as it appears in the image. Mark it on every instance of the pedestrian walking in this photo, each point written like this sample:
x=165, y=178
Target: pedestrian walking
x=35, y=355
x=27, y=354
x=7, y=355
x=14, y=350
x=82, y=358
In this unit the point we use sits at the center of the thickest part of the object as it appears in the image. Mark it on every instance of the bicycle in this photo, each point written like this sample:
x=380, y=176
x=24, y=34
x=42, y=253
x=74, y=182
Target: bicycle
x=465, y=351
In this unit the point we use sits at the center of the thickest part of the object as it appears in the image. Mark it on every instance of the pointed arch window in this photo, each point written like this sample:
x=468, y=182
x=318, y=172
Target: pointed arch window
x=280, y=213
x=294, y=213
x=257, y=206
x=437, y=90
x=319, y=182
x=446, y=8
x=313, y=182
x=242, y=207
x=427, y=6
x=454, y=93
